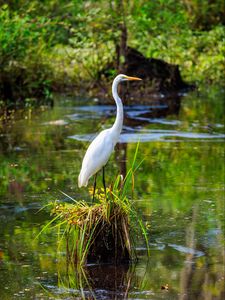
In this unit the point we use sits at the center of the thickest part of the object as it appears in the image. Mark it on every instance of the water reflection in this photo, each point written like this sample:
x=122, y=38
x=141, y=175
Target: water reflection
x=201, y=278
x=179, y=191
x=97, y=281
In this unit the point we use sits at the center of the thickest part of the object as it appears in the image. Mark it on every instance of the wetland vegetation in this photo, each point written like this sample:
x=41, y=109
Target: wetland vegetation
x=56, y=45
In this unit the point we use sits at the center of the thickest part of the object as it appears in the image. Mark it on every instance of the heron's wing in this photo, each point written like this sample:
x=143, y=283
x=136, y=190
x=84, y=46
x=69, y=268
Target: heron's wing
x=99, y=151
x=97, y=155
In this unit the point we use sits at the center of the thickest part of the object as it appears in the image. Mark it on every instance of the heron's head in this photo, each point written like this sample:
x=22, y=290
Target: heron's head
x=122, y=77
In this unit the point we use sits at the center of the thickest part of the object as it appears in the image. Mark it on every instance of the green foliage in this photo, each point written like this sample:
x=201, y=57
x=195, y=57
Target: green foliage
x=18, y=34
x=62, y=43
x=199, y=54
x=204, y=14
x=25, y=75
x=160, y=29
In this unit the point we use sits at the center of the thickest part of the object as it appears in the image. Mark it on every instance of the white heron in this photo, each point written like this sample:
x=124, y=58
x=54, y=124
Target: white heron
x=102, y=146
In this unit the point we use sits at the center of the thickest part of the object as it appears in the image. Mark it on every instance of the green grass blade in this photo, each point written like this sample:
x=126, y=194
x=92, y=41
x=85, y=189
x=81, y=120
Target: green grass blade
x=46, y=226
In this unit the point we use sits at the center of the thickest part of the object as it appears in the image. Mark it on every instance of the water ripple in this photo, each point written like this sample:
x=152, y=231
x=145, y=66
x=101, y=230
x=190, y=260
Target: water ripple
x=187, y=250
x=153, y=135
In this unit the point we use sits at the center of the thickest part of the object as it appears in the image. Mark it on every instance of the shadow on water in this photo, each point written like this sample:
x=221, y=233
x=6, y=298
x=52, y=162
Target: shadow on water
x=179, y=192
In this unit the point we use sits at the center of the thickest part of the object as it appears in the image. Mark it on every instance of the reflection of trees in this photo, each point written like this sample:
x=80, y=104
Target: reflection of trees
x=189, y=268
x=121, y=158
x=24, y=257
x=201, y=278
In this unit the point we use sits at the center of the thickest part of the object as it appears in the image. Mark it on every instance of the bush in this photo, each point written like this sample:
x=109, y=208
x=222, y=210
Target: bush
x=200, y=54
x=24, y=73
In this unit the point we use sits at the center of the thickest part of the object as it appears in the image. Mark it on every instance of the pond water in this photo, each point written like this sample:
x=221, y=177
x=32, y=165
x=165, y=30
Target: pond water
x=179, y=191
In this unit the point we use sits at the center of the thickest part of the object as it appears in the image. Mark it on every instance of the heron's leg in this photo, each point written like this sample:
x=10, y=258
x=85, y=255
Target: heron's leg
x=95, y=177
x=103, y=179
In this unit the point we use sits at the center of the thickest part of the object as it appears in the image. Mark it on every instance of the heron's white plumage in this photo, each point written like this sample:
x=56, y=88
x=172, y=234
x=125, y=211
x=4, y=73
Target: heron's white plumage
x=97, y=155
x=102, y=146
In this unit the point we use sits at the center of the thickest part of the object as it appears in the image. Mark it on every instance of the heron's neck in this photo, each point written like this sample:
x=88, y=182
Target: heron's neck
x=117, y=126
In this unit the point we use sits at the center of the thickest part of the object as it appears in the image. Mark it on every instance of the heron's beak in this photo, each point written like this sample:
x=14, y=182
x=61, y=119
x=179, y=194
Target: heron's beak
x=132, y=78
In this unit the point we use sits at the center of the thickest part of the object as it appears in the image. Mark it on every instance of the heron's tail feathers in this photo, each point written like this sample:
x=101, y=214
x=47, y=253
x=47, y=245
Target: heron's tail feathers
x=82, y=179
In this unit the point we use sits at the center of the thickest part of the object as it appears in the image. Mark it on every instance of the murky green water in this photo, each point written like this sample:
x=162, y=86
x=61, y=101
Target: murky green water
x=179, y=191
